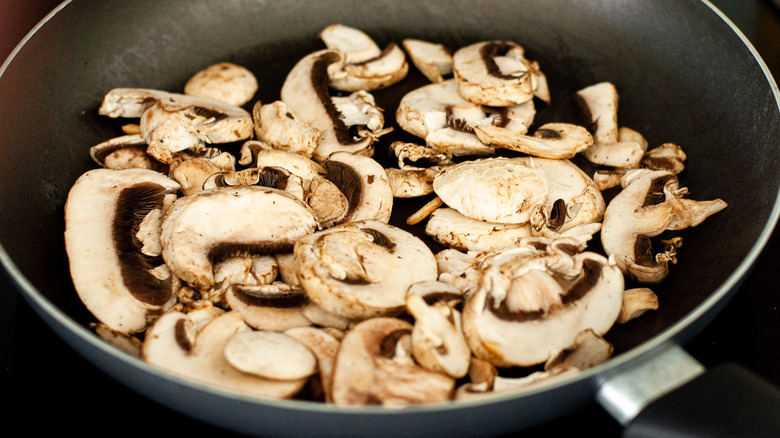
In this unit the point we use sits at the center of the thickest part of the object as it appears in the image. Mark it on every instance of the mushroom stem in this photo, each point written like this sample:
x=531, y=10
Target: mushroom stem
x=425, y=211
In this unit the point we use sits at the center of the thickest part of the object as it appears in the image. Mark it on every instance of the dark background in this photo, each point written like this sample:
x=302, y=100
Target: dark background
x=43, y=378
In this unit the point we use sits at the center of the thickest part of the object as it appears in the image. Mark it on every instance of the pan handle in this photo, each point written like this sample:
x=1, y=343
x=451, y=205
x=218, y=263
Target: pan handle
x=672, y=395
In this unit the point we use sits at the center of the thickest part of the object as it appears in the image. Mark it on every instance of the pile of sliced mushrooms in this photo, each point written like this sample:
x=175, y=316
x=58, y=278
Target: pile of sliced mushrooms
x=275, y=271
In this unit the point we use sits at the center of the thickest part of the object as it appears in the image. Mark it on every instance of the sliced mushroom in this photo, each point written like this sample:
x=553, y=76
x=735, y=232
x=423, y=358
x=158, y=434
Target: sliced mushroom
x=650, y=203
x=172, y=344
x=362, y=269
x=552, y=140
x=494, y=73
x=364, y=183
x=271, y=307
x=366, y=67
x=636, y=302
x=192, y=173
x=455, y=230
x=413, y=156
x=111, y=221
x=438, y=343
x=528, y=306
x=305, y=92
x=215, y=224
x=669, y=157
x=434, y=291
x=325, y=348
x=366, y=371
x=458, y=268
x=224, y=82
x=599, y=105
x=432, y=59
x=306, y=168
x=412, y=183
x=588, y=350
x=173, y=122
x=281, y=129
x=498, y=189
x=124, y=152
x=270, y=355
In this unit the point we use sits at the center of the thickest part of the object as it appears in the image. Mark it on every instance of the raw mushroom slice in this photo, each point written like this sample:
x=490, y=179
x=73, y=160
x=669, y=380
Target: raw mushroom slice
x=599, y=106
x=438, y=343
x=112, y=219
x=434, y=291
x=172, y=344
x=192, y=173
x=272, y=307
x=272, y=177
x=365, y=184
x=127, y=343
x=306, y=93
x=366, y=67
x=203, y=228
x=650, y=204
x=413, y=156
x=457, y=231
x=588, y=350
x=306, y=168
x=125, y=152
x=574, y=204
x=281, y=129
x=173, y=122
x=552, y=140
x=458, y=268
x=270, y=355
x=224, y=82
x=368, y=372
x=438, y=114
x=501, y=190
x=494, y=73
x=327, y=200
x=503, y=385
x=412, y=183
x=668, y=156
x=433, y=60
x=636, y=302
x=528, y=306
x=362, y=269
x=325, y=348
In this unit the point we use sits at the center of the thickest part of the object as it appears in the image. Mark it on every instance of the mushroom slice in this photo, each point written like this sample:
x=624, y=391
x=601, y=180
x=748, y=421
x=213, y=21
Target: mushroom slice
x=668, y=157
x=432, y=59
x=172, y=344
x=224, y=82
x=413, y=156
x=493, y=73
x=362, y=269
x=636, y=302
x=325, y=348
x=587, y=351
x=328, y=202
x=365, y=184
x=124, y=152
x=296, y=164
x=455, y=230
x=438, y=343
x=412, y=183
x=111, y=220
x=192, y=173
x=281, y=129
x=599, y=105
x=306, y=93
x=270, y=355
x=458, y=268
x=499, y=189
x=201, y=229
x=271, y=307
x=650, y=204
x=528, y=306
x=367, y=371
x=574, y=204
x=173, y=122
x=127, y=343
x=366, y=67
x=552, y=140
x=502, y=385
x=434, y=291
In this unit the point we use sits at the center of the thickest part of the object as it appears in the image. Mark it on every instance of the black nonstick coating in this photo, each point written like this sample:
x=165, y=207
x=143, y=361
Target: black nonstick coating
x=684, y=76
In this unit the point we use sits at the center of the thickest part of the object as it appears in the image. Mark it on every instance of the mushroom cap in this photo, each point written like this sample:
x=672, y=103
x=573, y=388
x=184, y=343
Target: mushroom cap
x=523, y=311
x=225, y=82
x=172, y=344
x=498, y=190
x=493, y=73
x=455, y=230
x=270, y=355
x=362, y=269
x=123, y=286
x=217, y=223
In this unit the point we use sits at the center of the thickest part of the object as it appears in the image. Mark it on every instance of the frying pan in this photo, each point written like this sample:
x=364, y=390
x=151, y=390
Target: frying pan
x=684, y=75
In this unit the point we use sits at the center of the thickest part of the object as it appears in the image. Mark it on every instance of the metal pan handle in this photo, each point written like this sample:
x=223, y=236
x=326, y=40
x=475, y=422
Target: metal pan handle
x=672, y=395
